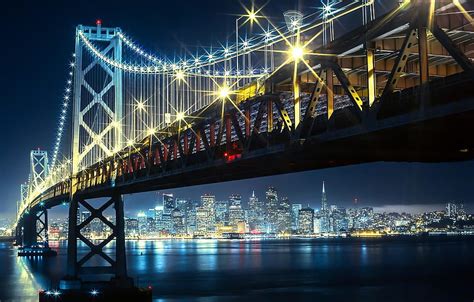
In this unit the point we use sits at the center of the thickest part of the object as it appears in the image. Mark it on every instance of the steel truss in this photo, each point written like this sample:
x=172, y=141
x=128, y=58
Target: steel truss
x=116, y=267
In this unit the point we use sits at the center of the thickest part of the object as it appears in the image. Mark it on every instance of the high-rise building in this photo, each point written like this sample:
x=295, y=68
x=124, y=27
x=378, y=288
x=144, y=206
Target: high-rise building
x=294, y=216
x=271, y=197
x=283, y=217
x=86, y=230
x=191, y=216
x=256, y=216
x=306, y=221
x=131, y=227
x=142, y=223
x=222, y=212
x=202, y=221
x=177, y=218
x=324, y=213
x=236, y=215
x=208, y=202
x=235, y=200
x=158, y=218
x=339, y=220
x=168, y=203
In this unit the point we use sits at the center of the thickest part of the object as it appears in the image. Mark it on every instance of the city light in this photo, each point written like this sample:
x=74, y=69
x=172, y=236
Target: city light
x=179, y=75
x=297, y=52
x=180, y=116
x=224, y=92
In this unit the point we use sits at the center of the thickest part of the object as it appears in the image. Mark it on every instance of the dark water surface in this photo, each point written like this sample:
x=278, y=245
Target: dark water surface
x=421, y=269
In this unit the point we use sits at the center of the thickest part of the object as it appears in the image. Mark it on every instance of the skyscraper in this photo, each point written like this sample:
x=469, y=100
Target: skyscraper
x=208, y=203
x=256, y=214
x=271, y=197
x=294, y=216
x=306, y=221
x=324, y=212
x=168, y=203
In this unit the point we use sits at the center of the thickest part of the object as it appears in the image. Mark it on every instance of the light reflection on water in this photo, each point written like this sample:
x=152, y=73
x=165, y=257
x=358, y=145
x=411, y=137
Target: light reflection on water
x=270, y=270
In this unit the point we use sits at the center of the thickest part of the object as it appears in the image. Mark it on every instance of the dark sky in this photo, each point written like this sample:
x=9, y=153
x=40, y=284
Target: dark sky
x=37, y=43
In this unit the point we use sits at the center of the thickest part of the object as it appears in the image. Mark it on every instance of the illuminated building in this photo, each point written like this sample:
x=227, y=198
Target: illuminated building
x=202, y=221
x=271, y=197
x=294, y=215
x=235, y=200
x=283, y=216
x=168, y=203
x=236, y=215
x=324, y=213
x=208, y=203
x=86, y=231
x=177, y=218
x=142, y=223
x=221, y=210
x=131, y=227
x=256, y=217
x=306, y=221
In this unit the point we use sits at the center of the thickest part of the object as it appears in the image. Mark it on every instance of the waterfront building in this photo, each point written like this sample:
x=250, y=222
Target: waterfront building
x=208, y=202
x=271, y=196
x=338, y=220
x=202, y=221
x=306, y=221
x=324, y=213
x=131, y=227
x=236, y=215
x=256, y=214
x=158, y=218
x=177, y=218
x=142, y=223
x=283, y=216
x=166, y=224
x=191, y=216
x=294, y=216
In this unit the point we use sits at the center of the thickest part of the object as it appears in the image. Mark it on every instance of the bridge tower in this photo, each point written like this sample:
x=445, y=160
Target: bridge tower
x=35, y=222
x=98, y=104
x=97, y=134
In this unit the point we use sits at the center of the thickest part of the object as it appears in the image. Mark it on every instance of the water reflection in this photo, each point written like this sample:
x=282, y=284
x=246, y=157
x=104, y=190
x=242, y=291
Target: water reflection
x=216, y=270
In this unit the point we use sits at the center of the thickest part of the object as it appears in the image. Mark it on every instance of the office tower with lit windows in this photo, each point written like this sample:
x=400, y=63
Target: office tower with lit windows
x=256, y=216
x=131, y=227
x=306, y=221
x=208, y=202
x=324, y=215
x=142, y=223
x=222, y=212
x=294, y=216
x=271, y=196
x=177, y=218
x=236, y=215
x=235, y=200
x=86, y=230
x=202, y=221
x=168, y=203
x=283, y=216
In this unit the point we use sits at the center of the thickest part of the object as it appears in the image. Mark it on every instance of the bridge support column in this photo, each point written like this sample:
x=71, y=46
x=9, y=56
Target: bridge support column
x=29, y=229
x=116, y=267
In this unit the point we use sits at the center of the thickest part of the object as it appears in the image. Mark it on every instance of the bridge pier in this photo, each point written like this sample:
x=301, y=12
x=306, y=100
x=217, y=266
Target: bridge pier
x=77, y=267
x=34, y=227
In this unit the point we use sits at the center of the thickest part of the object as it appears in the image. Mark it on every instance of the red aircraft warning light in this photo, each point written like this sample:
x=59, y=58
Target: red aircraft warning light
x=98, y=22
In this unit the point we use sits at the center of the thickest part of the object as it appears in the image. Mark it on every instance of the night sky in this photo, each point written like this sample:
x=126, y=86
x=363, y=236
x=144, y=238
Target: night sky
x=37, y=43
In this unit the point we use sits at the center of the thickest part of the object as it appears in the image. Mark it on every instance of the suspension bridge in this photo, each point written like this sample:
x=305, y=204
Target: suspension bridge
x=399, y=86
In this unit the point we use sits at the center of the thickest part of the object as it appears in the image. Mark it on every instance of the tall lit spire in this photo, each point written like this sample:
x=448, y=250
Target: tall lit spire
x=253, y=193
x=324, y=191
